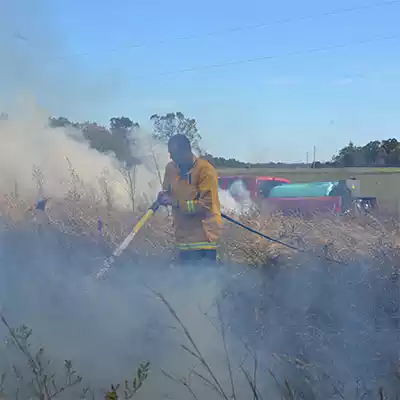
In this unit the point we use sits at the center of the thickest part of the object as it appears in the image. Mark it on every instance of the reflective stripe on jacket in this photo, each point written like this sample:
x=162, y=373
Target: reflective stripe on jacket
x=196, y=210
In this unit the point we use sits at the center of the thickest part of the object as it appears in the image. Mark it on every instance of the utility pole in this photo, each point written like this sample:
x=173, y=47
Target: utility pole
x=314, y=151
x=307, y=159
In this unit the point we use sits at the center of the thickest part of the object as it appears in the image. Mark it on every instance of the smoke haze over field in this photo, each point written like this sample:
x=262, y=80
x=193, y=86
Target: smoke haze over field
x=339, y=325
x=339, y=322
x=28, y=142
x=34, y=84
x=108, y=326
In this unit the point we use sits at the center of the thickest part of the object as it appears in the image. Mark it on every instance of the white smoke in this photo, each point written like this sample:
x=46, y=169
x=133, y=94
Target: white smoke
x=29, y=143
x=300, y=316
x=237, y=199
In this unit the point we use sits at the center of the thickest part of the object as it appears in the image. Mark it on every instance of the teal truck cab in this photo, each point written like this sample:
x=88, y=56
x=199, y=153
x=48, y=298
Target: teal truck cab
x=275, y=194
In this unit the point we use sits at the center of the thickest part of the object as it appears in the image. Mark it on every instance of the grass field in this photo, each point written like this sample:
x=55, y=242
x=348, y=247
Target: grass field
x=306, y=351
x=383, y=183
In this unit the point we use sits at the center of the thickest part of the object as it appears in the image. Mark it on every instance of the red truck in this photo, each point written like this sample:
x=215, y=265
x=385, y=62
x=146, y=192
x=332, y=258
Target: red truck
x=257, y=186
x=275, y=194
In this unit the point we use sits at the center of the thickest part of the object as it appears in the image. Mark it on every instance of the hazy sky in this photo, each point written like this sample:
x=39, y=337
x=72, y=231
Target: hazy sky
x=91, y=60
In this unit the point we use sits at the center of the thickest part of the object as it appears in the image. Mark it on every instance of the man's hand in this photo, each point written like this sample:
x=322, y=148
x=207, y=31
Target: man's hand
x=164, y=199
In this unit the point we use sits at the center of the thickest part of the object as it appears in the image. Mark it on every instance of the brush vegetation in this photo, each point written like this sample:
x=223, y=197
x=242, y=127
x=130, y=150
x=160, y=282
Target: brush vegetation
x=333, y=240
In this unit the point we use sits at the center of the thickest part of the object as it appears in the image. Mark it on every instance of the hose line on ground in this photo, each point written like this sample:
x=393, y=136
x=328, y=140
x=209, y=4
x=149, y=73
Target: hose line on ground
x=248, y=228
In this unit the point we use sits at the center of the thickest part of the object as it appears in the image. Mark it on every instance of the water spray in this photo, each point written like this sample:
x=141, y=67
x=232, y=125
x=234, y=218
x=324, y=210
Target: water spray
x=151, y=211
x=117, y=252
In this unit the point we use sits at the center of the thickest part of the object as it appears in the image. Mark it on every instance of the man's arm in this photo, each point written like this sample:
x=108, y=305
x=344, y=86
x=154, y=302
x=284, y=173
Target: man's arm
x=166, y=183
x=208, y=189
x=164, y=197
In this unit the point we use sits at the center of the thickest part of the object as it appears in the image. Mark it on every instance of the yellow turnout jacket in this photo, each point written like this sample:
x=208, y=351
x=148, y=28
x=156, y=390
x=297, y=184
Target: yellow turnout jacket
x=196, y=207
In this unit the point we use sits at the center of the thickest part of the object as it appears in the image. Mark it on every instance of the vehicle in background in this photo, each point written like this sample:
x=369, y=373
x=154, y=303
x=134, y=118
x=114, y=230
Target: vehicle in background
x=266, y=183
x=275, y=194
x=308, y=198
x=335, y=197
x=255, y=186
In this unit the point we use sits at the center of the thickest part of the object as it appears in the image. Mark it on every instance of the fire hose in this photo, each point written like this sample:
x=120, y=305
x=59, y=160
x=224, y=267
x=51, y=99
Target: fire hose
x=151, y=211
x=117, y=252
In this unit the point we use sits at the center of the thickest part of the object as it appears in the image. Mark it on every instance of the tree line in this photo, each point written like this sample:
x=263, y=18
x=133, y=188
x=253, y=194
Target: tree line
x=120, y=136
x=374, y=153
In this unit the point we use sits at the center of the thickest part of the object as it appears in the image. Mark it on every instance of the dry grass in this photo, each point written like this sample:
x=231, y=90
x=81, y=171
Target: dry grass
x=38, y=382
x=342, y=240
x=35, y=380
x=338, y=239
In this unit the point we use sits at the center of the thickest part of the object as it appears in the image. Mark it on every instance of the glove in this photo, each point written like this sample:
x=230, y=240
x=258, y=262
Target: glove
x=41, y=204
x=164, y=199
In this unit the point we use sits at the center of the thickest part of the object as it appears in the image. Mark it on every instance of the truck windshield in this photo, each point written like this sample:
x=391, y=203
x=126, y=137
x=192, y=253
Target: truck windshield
x=264, y=187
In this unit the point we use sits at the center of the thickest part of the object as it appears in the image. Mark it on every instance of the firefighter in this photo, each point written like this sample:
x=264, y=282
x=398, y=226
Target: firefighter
x=191, y=187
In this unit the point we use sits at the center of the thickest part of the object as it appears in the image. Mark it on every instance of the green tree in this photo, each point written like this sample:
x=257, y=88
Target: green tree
x=371, y=152
x=99, y=138
x=166, y=126
x=59, y=122
x=391, y=148
x=123, y=131
x=348, y=156
x=390, y=145
x=123, y=126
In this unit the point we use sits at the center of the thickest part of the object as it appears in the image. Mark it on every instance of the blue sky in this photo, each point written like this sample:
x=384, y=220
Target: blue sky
x=94, y=60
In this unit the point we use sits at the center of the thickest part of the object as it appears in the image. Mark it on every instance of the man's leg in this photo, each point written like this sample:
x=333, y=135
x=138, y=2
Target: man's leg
x=188, y=256
x=210, y=255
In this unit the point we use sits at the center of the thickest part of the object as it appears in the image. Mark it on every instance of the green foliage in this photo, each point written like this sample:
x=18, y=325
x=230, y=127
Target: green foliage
x=384, y=153
x=118, y=139
x=122, y=126
x=59, y=122
x=43, y=384
x=221, y=162
x=168, y=125
x=130, y=388
x=121, y=136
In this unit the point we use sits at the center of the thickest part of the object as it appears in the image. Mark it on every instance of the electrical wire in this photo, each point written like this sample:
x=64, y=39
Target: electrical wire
x=241, y=28
x=270, y=57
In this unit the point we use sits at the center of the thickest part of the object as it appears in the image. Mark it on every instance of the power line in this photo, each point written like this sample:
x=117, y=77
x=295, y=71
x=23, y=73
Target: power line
x=240, y=28
x=271, y=57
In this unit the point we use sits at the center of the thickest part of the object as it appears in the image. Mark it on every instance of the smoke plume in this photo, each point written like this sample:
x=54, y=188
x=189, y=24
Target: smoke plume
x=332, y=331
x=328, y=329
x=236, y=199
x=29, y=145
